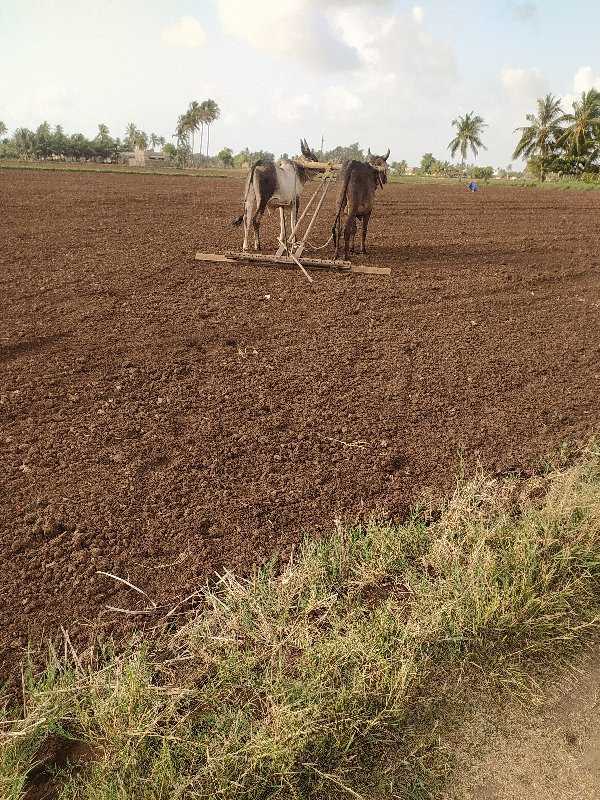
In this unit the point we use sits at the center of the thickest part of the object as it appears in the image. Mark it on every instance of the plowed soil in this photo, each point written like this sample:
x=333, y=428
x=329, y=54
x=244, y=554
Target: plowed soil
x=164, y=419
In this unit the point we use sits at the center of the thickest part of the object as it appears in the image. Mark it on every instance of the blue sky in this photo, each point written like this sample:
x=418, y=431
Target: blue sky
x=385, y=73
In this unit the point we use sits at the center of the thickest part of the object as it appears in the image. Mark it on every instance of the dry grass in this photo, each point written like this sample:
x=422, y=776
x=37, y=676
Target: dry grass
x=339, y=676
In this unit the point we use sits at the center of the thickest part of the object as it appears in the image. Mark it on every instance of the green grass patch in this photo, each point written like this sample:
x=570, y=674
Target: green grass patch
x=565, y=184
x=337, y=676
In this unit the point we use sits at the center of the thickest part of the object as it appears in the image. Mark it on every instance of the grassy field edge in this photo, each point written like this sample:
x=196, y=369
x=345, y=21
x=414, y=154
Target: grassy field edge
x=337, y=676
x=213, y=172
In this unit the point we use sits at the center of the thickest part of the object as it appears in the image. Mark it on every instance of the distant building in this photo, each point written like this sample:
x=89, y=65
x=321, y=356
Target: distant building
x=144, y=158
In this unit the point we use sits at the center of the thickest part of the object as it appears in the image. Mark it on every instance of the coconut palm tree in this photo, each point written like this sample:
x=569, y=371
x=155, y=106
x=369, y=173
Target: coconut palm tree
x=105, y=145
x=540, y=137
x=131, y=132
x=581, y=138
x=59, y=141
x=43, y=137
x=212, y=112
x=25, y=143
x=469, y=129
x=182, y=132
x=195, y=116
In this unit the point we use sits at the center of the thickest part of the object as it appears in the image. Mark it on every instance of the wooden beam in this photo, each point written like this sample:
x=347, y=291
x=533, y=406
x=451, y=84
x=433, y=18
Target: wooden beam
x=320, y=166
x=307, y=262
x=286, y=261
x=324, y=166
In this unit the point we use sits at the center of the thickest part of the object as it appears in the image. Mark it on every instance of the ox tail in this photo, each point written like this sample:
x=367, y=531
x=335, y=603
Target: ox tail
x=337, y=225
x=237, y=222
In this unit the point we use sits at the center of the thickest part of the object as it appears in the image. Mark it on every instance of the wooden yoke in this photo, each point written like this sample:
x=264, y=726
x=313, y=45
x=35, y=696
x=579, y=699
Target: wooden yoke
x=318, y=166
x=326, y=166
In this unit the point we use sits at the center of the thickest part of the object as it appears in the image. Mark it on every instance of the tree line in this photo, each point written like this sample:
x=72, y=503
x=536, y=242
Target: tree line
x=49, y=143
x=46, y=142
x=553, y=142
x=562, y=143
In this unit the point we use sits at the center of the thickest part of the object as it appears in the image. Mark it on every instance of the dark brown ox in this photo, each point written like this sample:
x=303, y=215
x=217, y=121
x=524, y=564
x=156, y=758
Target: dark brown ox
x=273, y=186
x=358, y=182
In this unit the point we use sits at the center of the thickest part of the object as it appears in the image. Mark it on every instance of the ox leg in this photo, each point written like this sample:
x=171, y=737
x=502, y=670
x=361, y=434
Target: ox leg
x=246, y=230
x=282, y=240
x=293, y=217
x=365, y=224
x=337, y=235
x=256, y=226
x=247, y=216
x=349, y=231
x=262, y=204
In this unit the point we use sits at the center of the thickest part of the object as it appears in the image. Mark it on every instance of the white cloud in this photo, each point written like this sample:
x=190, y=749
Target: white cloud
x=584, y=80
x=289, y=108
x=188, y=32
x=340, y=101
x=399, y=59
x=523, y=85
x=297, y=28
x=418, y=14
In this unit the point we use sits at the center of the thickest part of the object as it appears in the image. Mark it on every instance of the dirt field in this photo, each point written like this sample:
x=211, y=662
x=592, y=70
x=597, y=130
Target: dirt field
x=163, y=419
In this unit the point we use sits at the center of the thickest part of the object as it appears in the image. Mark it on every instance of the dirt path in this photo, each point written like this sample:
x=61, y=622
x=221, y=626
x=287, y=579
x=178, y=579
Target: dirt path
x=553, y=754
x=163, y=419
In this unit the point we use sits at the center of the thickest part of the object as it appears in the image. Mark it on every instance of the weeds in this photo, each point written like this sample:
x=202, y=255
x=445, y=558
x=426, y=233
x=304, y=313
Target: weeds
x=337, y=677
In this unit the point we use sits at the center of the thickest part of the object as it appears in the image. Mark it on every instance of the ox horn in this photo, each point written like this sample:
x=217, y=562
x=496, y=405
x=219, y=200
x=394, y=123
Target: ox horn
x=387, y=155
x=369, y=152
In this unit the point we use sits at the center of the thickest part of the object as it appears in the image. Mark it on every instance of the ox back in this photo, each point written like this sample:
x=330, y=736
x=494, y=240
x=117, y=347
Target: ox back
x=269, y=185
x=355, y=198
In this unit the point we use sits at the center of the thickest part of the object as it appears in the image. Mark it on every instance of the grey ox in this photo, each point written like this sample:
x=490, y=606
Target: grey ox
x=271, y=186
x=358, y=182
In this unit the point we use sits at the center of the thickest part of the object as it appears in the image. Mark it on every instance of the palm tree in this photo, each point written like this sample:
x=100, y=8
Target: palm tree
x=469, y=129
x=582, y=137
x=212, y=112
x=25, y=143
x=131, y=134
x=154, y=140
x=43, y=136
x=182, y=132
x=104, y=142
x=59, y=141
x=194, y=113
x=540, y=137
